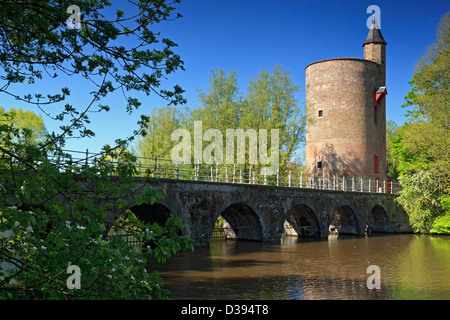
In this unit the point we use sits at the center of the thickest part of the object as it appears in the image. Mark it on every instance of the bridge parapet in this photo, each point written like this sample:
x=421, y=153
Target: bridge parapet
x=246, y=174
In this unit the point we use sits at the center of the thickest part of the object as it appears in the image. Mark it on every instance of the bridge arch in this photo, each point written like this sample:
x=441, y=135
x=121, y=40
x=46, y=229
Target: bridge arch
x=151, y=213
x=148, y=213
x=345, y=220
x=241, y=222
x=301, y=221
x=378, y=220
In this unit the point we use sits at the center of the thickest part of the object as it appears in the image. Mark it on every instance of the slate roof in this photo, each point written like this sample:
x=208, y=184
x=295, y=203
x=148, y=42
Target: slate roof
x=374, y=35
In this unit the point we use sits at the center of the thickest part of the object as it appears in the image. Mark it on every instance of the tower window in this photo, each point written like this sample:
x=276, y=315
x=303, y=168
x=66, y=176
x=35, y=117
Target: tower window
x=319, y=164
x=320, y=113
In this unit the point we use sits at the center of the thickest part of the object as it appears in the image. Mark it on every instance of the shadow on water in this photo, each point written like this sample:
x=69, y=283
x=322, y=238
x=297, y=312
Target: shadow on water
x=222, y=254
x=412, y=267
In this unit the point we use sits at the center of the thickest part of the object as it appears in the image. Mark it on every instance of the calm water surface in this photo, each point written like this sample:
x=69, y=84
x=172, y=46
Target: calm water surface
x=411, y=267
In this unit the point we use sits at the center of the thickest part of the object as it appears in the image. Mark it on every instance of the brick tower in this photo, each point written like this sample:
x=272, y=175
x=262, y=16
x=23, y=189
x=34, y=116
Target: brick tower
x=346, y=114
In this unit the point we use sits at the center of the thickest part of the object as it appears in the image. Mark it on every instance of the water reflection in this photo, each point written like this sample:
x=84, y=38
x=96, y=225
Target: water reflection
x=412, y=267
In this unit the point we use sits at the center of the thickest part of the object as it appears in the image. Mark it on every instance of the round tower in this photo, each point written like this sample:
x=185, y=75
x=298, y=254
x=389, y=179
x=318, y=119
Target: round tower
x=346, y=116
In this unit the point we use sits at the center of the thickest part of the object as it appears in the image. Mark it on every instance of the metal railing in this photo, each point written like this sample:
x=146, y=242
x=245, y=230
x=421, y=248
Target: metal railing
x=129, y=239
x=243, y=174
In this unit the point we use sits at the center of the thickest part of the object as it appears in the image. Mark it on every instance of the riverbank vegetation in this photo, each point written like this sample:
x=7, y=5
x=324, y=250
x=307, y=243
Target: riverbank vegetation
x=419, y=155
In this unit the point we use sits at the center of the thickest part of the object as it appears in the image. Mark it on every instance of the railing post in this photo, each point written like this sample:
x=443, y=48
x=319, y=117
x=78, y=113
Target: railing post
x=384, y=186
x=353, y=183
x=195, y=172
x=265, y=175
x=240, y=173
x=253, y=175
x=278, y=177
x=361, y=185
x=250, y=175
x=159, y=164
x=178, y=169
x=198, y=170
x=87, y=156
x=226, y=174
x=312, y=181
x=334, y=182
x=234, y=172
x=369, y=184
x=212, y=178
x=217, y=171
x=301, y=179
x=156, y=161
x=343, y=183
x=140, y=169
x=289, y=178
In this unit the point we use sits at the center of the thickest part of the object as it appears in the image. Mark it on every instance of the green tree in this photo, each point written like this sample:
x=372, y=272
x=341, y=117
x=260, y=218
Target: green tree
x=157, y=142
x=392, y=131
x=56, y=211
x=36, y=42
x=421, y=198
x=31, y=125
x=429, y=130
x=219, y=109
x=423, y=147
x=271, y=103
x=220, y=106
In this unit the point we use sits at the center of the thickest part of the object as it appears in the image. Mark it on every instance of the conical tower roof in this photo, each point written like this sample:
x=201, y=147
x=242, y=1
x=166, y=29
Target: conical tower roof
x=374, y=35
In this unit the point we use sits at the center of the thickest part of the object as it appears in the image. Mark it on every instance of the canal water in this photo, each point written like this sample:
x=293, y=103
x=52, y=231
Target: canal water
x=410, y=267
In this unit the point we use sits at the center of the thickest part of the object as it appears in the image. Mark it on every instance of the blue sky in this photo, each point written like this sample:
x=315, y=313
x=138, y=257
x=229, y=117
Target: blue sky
x=248, y=35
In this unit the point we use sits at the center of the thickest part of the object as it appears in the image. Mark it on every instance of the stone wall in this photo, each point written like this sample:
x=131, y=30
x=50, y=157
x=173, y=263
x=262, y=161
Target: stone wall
x=259, y=212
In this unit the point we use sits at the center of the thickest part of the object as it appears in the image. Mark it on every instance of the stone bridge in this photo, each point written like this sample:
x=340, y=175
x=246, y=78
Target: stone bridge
x=264, y=212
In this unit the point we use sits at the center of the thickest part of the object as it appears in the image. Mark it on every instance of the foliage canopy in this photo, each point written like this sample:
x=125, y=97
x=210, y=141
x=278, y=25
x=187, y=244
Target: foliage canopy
x=270, y=103
x=422, y=147
x=57, y=211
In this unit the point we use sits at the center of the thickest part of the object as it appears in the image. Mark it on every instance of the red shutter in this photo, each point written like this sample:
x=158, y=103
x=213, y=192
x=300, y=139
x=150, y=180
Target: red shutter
x=389, y=186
